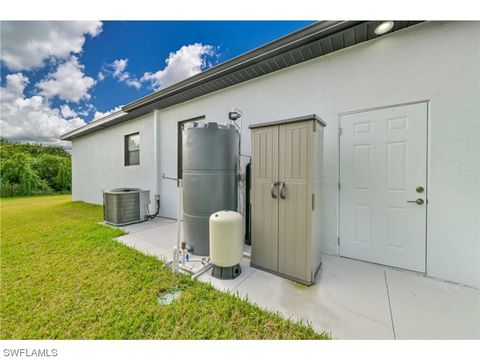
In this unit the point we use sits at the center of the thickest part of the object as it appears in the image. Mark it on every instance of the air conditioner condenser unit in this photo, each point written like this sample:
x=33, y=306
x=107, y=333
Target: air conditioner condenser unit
x=125, y=206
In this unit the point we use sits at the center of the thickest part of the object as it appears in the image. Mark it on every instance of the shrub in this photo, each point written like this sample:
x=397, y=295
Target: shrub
x=63, y=180
x=19, y=178
x=27, y=169
x=55, y=170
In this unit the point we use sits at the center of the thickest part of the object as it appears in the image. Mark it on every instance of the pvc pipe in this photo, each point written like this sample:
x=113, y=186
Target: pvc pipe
x=190, y=268
x=202, y=271
x=187, y=266
x=175, y=259
x=246, y=255
x=196, y=260
x=179, y=224
x=168, y=177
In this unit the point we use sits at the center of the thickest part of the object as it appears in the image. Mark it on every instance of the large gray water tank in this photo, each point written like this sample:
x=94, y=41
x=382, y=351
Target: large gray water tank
x=210, y=156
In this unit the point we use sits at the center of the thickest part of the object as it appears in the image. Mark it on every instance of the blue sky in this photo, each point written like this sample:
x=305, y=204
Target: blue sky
x=58, y=76
x=148, y=44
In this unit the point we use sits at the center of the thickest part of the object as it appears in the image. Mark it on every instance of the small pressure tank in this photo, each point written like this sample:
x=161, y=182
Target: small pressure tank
x=226, y=244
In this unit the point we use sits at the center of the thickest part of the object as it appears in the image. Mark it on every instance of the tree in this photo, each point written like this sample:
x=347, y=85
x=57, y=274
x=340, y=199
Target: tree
x=63, y=180
x=27, y=169
x=18, y=177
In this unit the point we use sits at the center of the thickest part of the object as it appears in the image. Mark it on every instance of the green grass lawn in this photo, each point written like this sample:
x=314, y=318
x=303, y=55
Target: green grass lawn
x=63, y=276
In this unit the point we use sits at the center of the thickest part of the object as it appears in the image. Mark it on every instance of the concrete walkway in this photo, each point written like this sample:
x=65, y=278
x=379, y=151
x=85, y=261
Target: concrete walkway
x=351, y=299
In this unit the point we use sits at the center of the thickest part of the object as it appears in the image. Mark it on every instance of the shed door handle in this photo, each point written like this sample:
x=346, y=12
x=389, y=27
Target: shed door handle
x=283, y=191
x=272, y=190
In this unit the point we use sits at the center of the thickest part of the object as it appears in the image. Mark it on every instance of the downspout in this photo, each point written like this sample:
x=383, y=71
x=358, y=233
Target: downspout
x=156, y=166
x=156, y=157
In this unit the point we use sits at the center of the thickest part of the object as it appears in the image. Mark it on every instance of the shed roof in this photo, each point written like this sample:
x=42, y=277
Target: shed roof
x=318, y=39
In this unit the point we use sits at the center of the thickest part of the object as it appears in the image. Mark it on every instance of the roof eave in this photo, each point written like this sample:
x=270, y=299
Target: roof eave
x=294, y=48
x=316, y=30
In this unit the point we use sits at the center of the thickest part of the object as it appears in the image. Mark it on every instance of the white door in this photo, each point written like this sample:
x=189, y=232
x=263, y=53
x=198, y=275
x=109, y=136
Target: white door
x=383, y=173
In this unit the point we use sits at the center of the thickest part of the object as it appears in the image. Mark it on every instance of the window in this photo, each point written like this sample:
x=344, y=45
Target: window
x=132, y=149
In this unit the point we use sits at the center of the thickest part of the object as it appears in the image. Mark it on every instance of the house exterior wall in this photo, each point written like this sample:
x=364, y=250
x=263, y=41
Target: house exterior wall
x=98, y=161
x=436, y=62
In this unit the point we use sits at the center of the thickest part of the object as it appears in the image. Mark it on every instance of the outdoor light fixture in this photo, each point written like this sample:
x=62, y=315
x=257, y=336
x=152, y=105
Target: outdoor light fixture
x=234, y=115
x=384, y=27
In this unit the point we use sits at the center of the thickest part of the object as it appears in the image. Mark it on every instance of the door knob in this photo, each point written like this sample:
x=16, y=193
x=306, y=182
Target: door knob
x=420, y=189
x=418, y=201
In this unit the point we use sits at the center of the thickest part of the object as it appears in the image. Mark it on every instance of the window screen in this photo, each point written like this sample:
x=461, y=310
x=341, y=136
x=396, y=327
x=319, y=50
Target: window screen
x=132, y=149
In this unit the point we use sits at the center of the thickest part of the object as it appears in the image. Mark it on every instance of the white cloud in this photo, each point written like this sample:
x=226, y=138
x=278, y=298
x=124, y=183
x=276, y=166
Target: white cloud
x=31, y=119
x=100, y=76
x=27, y=44
x=119, y=67
x=68, y=82
x=86, y=109
x=16, y=83
x=134, y=83
x=118, y=71
x=181, y=64
x=67, y=112
x=185, y=62
x=99, y=114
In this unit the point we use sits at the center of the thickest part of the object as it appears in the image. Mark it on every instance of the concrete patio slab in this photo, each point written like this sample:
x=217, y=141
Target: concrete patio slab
x=426, y=308
x=158, y=237
x=229, y=285
x=351, y=299
x=150, y=224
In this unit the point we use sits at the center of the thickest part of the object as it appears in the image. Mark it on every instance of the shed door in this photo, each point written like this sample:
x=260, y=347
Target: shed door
x=264, y=205
x=383, y=162
x=295, y=192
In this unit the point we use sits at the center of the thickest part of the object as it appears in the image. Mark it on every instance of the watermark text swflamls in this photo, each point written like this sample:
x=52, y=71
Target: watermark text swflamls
x=23, y=352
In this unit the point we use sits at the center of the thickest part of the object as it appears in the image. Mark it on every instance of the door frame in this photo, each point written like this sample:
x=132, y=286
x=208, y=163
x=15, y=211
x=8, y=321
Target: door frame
x=180, y=125
x=428, y=166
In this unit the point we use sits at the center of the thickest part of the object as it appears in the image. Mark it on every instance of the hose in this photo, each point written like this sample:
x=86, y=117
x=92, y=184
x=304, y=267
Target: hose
x=157, y=209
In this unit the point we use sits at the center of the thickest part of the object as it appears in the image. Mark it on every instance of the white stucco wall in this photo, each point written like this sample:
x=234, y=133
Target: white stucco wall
x=438, y=62
x=98, y=161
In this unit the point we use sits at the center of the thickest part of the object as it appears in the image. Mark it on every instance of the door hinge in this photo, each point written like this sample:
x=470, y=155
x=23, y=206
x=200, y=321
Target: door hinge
x=339, y=186
x=340, y=132
x=338, y=240
x=313, y=202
